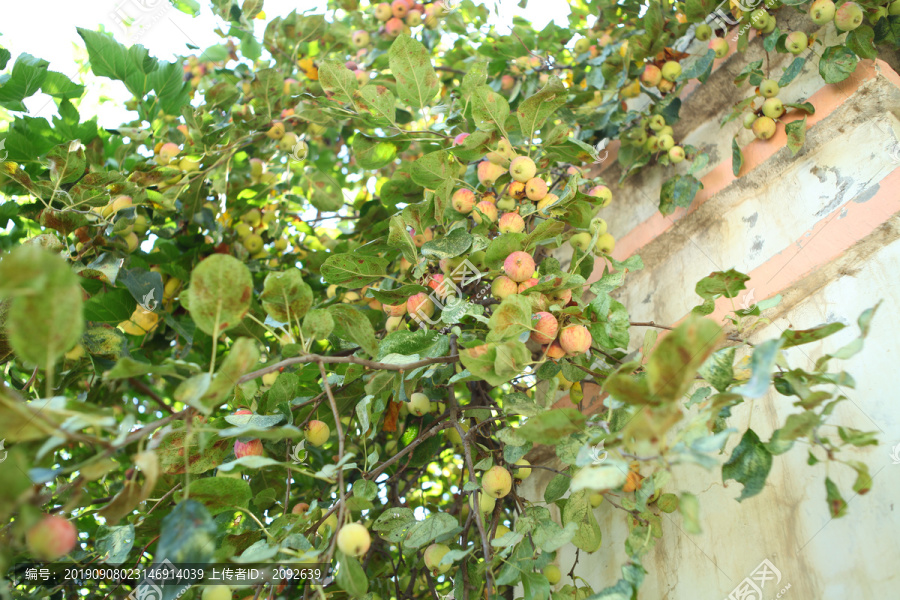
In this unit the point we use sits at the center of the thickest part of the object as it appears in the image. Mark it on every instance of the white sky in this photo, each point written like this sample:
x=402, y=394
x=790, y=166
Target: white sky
x=46, y=29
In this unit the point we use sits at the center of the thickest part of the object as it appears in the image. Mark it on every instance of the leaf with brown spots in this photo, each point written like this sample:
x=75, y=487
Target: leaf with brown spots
x=417, y=83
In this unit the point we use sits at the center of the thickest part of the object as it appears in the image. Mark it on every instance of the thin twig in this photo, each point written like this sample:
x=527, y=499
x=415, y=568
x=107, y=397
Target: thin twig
x=316, y=358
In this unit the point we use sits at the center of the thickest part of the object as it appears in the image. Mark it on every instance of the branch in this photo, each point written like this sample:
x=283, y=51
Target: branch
x=316, y=358
x=667, y=328
x=340, y=433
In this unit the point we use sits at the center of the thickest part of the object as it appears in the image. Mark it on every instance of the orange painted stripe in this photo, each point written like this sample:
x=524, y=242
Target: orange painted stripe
x=825, y=101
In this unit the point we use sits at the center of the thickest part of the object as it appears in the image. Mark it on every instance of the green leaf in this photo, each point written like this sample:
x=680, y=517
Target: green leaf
x=837, y=64
x=860, y=41
x=27, y=76
x=700, y=69
x=474, y=79
x=110, y=308
x=749, y=465
x=400, y=238
x=489, y=109
x=432, y=169
x=791, y=72
x=114, y=544
x=219, y=494
x=557, y=488
x=551, y=426
x=353, y=270
x=718, y=369
x=454, y=244
x=761, y=363
x=798, y=337
x=533, y=111
x=535, y=586
x=393, y=523
x=510, y=319
x=737, y=157
x=679, y=190
x=796, y=135
x=372, y=153
x=286, y=296
x=219, y=294
x=578, y=510
x=719, y=283
x=186, y=535
x=434, y=527
x=352, y=325
x=378, y=100
x=398, y=295
x=323, y=192
x=496, y=363
x=667, y=503
x=45, y=317
x=350, y=576
x=672, y=366
x=410, y=62
x=339, y=80
x=837, y=506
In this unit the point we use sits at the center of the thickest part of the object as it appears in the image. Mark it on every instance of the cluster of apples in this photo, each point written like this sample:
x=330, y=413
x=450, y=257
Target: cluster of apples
x=399, y=17
x=763, y=120
x=248, y=230
x=655, y=135
x=288, y=141
x=316, y=433
x=662, y=77
x=130, y=234
x=849, y=15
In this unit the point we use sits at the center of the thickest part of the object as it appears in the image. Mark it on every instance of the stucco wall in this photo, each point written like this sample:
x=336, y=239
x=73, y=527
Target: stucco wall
x=823, y=230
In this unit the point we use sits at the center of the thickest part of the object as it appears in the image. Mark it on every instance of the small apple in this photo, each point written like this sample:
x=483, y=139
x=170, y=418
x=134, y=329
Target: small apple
x=656, y=122
x=703, y=32
x=433, y=556
x=317, y=433
x=545, y=329
x=596, y=499
x=420, y=304
x=276, y=131
x=671, y=70
x=488, y=210
x=507, y=82
x=503, y=154
x=651, y=76
x=511, y=223
x=582, y=45
x=605, y=244
x=166, y=153
x=463, y=201
x=503, y=287
x=749, y=119
x=394, y=27
x=519, y=266
x=360, y=38
x=665, y=142
x=602, y=193
x=773, y=108
x=488, y=172
x=418, y=404
x=353, y=539
x=253, y=243
x=496, y=482
x=764, y=127
x=383, y=11
x=414, y=18
x=598, y=226
x=536, y=189
x=575, y=339
x=796, y=42
x=300, y=508
x=822, y=11
x=893, y=9
x=759, y=19
x=848, y=17
x=251, y=448
x=768, y=88
x=522, y=169
x=581, y=240
x=555, y=351
x=522, y=473
x=553, y=574
x=676, y=154
x=51, y=538
x=719, y=46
